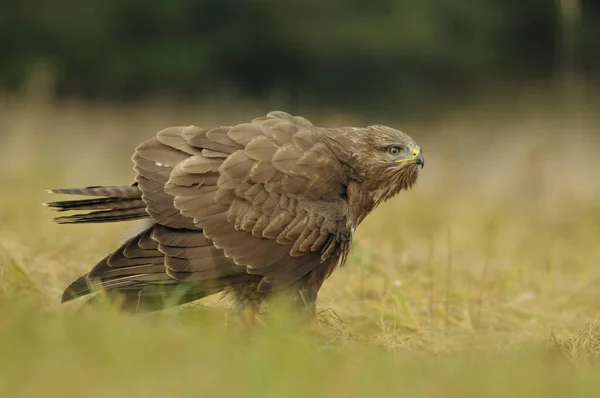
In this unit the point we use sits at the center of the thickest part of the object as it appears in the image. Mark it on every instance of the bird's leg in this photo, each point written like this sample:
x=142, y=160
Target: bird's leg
x=306, y=303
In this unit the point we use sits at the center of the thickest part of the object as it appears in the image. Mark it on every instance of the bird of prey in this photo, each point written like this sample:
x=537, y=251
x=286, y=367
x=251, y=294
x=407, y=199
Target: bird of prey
x=261, y=207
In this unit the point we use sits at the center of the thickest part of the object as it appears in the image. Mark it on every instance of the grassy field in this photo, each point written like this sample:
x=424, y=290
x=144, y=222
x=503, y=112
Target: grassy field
x=482, y=281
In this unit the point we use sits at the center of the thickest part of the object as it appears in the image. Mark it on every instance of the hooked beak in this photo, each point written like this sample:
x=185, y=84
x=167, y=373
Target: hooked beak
x=420, y=160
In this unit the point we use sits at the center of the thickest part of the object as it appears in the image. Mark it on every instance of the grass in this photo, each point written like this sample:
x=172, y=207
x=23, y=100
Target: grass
x=482, y=281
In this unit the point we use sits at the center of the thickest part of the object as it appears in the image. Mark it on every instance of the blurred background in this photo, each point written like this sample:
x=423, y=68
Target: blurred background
x=383, y=57
x=496, y=245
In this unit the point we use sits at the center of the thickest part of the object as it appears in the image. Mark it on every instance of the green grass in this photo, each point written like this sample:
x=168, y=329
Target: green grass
x=482, y=281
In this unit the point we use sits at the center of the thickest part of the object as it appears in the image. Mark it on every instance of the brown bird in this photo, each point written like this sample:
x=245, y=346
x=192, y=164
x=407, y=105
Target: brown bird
x=252, y=209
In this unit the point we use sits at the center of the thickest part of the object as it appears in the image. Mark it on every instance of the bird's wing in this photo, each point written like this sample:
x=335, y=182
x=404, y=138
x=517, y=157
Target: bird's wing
x=175, y=249
x=269, y=194
x=150, y=267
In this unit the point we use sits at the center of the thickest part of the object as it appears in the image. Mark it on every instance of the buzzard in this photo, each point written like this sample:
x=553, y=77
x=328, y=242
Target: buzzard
x=261, y=207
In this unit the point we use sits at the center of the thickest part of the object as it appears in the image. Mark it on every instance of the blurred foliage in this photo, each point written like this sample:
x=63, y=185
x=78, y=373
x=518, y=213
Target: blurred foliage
x=399, y=53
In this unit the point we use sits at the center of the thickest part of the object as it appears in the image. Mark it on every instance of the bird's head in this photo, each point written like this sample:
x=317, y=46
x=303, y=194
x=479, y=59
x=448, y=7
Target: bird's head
x=386, y=160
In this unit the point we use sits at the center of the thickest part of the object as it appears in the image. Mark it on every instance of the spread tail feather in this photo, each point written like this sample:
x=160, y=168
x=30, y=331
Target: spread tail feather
x=119, y=191
x=112, y=204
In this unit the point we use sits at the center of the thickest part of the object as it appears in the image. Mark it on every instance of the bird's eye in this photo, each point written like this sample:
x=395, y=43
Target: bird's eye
x=394, y=150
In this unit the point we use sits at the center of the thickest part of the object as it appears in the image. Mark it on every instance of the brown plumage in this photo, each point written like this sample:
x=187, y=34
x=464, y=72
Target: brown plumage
x=265, y=206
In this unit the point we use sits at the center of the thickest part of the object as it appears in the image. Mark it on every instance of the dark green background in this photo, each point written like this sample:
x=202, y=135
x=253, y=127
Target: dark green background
x=370, y=54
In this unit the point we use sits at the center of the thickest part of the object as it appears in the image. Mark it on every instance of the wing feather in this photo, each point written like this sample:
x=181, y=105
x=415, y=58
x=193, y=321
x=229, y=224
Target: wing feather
x=172, y=137
x=262, y=198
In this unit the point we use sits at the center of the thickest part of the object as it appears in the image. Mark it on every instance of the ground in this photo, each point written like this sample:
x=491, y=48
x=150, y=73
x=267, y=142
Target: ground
x=484, y=280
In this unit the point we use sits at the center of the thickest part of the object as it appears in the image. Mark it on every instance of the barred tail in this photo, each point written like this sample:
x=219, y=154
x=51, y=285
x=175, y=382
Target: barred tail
x=112, y=204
